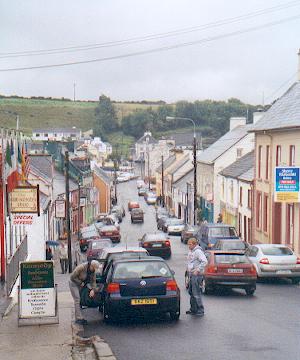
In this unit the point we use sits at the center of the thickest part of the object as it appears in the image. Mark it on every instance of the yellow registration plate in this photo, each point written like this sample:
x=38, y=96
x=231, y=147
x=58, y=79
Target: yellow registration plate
x=143, y=301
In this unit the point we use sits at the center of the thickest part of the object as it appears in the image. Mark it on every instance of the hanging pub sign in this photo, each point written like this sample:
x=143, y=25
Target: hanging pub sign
x=60, y=208
x=24, y=199
x=37, y=292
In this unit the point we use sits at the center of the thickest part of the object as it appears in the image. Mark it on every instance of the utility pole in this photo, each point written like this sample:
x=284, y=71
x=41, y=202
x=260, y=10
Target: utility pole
x=149, y=169
x=187, y=203
x=115, y=181
x=74, y=91
x=195, y=177
x=162, y=182
x=78, y=228
x=68, y=210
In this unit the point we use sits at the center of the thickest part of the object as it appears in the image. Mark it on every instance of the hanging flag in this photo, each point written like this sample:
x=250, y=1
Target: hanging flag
x=25, y=163
x=14, y=173
x=20, y=161
x=8, y=165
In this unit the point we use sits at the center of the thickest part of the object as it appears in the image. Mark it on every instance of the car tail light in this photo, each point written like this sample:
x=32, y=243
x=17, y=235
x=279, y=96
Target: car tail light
x=171, y=285
x=212, y=269
x=167, y=243
x=113, y=288
x=264, y=261
x=146, y=244
x=298, y=260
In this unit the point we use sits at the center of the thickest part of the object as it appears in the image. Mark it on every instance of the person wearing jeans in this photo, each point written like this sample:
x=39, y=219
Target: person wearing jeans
x=196, y=262
x=83, y=275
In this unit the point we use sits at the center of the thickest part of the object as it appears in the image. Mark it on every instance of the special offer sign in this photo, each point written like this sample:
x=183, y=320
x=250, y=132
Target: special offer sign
x=287, y=184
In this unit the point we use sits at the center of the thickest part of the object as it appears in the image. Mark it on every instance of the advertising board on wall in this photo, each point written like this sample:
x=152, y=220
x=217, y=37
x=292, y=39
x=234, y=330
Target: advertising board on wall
x=60, y=208
x=287, y=184
x=24, y=199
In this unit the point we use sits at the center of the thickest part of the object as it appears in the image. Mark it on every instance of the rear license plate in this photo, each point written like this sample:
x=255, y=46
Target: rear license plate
x=235, y=271
x=282, y=272
x=156, y=245
x=108, y=234
x=143, y=301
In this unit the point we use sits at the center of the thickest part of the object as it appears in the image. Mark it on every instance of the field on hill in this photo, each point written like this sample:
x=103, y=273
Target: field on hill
x=54, y=113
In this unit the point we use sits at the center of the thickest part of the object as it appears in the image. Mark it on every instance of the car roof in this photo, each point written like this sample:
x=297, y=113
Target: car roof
x=119, y=249
x=264, y=246
x=108, y=227
x=144, y=259
x=226, y=252
x=217, y=225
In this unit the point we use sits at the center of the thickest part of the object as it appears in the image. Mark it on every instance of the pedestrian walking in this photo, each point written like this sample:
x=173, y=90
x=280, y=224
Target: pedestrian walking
x=220, y=219
x=196, y=261
x=49, y=255
x=84, y=275
x=63, y=257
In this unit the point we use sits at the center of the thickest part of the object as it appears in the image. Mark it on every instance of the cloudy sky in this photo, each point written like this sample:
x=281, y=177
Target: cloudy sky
x=149, y=49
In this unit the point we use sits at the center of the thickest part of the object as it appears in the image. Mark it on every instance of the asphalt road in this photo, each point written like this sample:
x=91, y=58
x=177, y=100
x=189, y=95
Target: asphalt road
x=234, y=327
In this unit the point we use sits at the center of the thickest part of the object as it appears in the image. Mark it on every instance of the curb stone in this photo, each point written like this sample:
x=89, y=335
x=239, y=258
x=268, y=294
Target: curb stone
x=102, y=350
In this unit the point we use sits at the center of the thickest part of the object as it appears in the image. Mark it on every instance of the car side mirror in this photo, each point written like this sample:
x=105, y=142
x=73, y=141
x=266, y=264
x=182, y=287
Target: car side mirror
x=172, y=272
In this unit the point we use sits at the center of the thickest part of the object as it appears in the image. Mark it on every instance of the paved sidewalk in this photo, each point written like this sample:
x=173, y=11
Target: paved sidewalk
x=40, y=341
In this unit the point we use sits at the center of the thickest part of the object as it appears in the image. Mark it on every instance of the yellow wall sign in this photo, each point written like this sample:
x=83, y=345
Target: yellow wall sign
x=24, y=199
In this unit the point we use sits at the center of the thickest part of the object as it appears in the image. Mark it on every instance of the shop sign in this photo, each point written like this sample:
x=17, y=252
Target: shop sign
x=60, y=208
x=287, y=184
x=24, y=199
x=18, y=219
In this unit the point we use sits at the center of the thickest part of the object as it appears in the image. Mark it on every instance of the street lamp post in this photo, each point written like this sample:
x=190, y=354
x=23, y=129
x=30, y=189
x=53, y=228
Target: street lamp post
x=194, y=160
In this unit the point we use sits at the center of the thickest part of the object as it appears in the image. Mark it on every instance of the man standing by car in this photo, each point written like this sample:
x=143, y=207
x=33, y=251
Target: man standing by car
x=84, y=275
x=196, y=261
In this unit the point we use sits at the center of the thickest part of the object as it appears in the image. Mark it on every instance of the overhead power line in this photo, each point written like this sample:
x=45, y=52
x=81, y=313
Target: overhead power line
x=152, y=36
x=159, y=49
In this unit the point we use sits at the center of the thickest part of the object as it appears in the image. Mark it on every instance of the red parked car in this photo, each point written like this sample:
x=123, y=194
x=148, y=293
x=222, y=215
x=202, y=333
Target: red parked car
x=133, y=205
x=231, y=269
x=95, y=248
x=111, y=232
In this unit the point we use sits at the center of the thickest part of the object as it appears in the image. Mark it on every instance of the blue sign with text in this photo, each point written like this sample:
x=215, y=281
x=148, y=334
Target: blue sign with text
x=287, y=179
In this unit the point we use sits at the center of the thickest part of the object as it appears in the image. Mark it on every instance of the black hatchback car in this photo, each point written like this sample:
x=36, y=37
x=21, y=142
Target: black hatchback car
x=139, y=287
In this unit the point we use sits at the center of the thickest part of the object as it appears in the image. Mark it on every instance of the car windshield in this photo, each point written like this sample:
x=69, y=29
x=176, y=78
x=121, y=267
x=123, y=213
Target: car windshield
x=175, y=222
x=158, y=236
x=100, y=244
x=220, y=231
x=231, y=245
x=277, y=251
x=141, y=270
x=231, y=259
x=127, y=255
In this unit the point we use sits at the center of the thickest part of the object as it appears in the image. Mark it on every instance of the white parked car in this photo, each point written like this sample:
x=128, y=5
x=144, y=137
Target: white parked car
x=140, y=184
x=275, y=261
x=175, y=226
x=150, y=198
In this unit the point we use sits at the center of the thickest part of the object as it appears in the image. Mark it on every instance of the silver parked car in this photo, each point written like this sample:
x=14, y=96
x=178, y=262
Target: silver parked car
x=275, y=261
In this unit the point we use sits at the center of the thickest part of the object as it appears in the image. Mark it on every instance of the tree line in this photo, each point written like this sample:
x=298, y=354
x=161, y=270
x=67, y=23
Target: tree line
x=209, y=115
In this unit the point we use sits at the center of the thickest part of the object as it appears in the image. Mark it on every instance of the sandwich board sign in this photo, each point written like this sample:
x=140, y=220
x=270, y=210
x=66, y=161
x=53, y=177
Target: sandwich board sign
x=37, y=293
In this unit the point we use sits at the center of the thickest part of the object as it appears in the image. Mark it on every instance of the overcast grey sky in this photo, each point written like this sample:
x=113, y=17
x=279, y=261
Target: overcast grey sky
x=245, y=66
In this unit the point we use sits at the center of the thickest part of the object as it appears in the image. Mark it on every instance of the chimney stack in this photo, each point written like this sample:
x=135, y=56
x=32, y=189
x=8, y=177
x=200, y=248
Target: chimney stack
x=298, y=77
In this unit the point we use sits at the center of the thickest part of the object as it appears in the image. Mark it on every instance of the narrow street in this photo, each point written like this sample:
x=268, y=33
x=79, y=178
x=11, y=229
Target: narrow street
x=234, y=327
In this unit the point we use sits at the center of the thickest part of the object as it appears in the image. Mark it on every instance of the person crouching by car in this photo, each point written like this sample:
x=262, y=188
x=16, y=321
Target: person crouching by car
x=84, y=275
x=196, y=261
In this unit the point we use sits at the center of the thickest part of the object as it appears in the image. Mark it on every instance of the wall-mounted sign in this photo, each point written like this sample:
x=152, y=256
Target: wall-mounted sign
x=37, y=291
x=18, y=219
x=82, y=201
x=24, y=199
x=60, y=208
x=287, y=184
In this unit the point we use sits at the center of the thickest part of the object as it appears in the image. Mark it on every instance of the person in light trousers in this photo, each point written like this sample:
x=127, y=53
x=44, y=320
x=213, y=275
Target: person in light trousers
x=63, y=257
x=196, y=261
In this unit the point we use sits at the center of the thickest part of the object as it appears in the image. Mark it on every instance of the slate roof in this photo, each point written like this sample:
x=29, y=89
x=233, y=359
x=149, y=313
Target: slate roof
x=181, y=182
x=59, y=185
x=179, y=164
x=248, y=175
x=210, y=155
x=168, y=162
x=144, y=138
x=100, y=172
x=284, y=113
x=42, y=165
x=239, y=167
x=184, y=139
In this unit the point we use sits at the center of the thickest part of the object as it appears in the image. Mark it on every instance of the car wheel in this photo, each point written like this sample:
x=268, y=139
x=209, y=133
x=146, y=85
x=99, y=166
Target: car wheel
x=250, y=291
x=175, y=315
x=295, y=281
x=186, y=280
